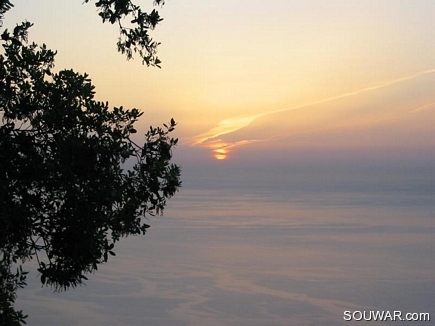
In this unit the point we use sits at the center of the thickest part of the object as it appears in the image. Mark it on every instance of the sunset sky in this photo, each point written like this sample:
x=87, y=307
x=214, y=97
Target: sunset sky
x=307, y=149
x=248, y=79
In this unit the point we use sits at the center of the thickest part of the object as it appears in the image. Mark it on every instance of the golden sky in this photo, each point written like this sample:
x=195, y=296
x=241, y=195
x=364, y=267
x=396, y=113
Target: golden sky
x=281, y=75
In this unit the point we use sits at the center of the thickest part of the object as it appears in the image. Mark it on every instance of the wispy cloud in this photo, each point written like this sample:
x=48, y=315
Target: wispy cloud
x=227, y=126
x=211, y=138
x=423, y=108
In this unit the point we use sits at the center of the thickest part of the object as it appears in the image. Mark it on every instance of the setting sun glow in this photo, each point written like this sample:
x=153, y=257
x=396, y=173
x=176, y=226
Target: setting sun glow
x=220, y=154
x=302, y=76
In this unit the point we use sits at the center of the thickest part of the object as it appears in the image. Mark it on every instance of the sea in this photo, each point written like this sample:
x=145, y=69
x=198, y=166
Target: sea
x=267, y=246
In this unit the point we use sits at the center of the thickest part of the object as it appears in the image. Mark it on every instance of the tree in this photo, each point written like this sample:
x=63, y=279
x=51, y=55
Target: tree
x=65, y=195
x=134, y=39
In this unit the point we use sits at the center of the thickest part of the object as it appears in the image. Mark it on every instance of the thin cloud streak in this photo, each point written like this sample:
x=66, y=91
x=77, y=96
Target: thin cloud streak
x=236, y=123
x=422, y=108
x=227, y=126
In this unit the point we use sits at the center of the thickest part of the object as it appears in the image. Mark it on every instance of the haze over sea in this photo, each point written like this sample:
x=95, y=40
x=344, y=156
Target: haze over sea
x=266, y=245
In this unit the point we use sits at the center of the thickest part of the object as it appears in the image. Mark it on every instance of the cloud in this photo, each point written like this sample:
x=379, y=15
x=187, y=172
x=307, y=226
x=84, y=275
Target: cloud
x=210, y=139
x=423, y=108
x=227, y=126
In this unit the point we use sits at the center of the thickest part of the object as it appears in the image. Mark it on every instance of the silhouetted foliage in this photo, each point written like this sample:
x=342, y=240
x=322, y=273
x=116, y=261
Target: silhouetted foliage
x=65, y=198
x=9, y=283
x=135, y=38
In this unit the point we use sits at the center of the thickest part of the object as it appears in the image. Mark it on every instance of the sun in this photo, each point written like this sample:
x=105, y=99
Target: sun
x=220, y=154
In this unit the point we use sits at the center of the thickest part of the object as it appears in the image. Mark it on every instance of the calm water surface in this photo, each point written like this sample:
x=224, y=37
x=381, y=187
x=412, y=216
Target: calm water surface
x=269, y=247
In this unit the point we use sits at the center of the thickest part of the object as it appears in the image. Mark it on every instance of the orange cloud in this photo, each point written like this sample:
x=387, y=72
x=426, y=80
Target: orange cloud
x=210, y=138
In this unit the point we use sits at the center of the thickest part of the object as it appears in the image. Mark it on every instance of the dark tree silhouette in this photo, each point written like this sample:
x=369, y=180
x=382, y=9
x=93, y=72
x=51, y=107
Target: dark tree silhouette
x=136, y=38
x=65, y=198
